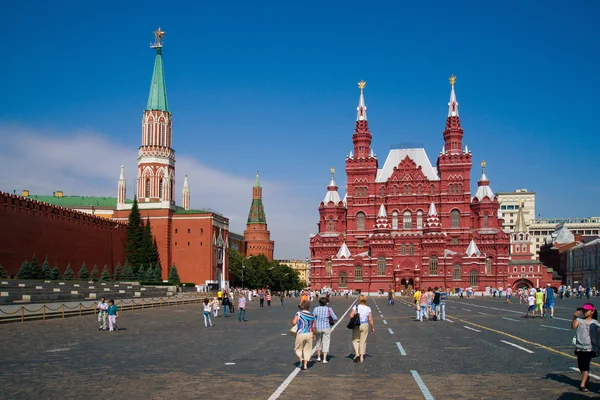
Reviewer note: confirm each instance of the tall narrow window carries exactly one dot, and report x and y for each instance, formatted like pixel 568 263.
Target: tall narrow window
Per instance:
pixel 382 191
pixel 360 221
pixel 419 219
pixel 148 135
pixel 455 218
pixel 419 189
pixel 160 134
pixel 407 220
pixel 433 265
pixel 330 224
pixel 395 220
pixel 488 266
pixel 358 273
pixel 151 133
pixel 485 220
pixel 160 188
pixel 432 189
pixel 474 278
pixel 147 191
pixel 381 266
pixel 328 268
pixel 403 249
pixel 395 190
pixel 356 192
pixel 456 271
pixel 343 279
pixel 411 249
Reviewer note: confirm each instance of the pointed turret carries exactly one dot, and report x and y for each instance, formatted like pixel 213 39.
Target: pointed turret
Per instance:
pixel 362 135
pixel 433 224
pixel 332 191
pixel 257 211
pixel 257 237
pixel 483 186
pixel 185 194
pixel 520 226
pixel 452 104
pixel 157 99
pixel 453 134
pixel 343 252
pixel 472 250
pixel 382 224
pixel 121 188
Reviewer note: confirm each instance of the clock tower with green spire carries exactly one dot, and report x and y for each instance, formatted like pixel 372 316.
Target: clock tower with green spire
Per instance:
pixel 257 236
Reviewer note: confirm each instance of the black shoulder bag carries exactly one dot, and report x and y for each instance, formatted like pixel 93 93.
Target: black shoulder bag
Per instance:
pixel 354 321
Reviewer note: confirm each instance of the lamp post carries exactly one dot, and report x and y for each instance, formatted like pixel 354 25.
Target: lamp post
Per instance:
pixel 307 272
pixel 243 276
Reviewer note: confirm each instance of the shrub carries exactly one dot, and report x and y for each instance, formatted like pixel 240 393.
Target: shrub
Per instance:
pixel 83 273
pixel 69 275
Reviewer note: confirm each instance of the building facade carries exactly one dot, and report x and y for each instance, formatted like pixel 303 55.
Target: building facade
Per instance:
pixel 511 202
pixel 583 264
pixel 542 229
pixel 301 267
pixel 257 236
pixel 410 224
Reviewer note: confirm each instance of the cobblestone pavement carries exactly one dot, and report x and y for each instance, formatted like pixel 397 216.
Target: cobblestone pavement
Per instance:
pixel 167 353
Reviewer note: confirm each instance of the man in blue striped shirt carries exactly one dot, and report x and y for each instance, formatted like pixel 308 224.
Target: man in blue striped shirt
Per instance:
pixel 442 305
pixel 323 326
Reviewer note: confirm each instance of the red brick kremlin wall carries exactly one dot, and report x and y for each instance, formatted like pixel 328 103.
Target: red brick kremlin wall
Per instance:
pixel 29 227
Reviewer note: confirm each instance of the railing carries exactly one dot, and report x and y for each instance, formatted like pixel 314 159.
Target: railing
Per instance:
pixel 63 311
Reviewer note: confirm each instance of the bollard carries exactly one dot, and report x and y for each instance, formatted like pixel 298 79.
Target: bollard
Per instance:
pixel 44 317
pixel 161 301
pixel 80 309
pixel 22 314
pixel 63 311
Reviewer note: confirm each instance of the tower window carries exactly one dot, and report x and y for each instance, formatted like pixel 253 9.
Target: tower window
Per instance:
pixel 188 230
pixel 456 271
pixel 328 268
pixel 330 224
pixel 147 194
pixel 485 220
pixel 160 188
pixel 433 265
pixel 395 219
pixel 488 266
pixel 360 221
pixel 411 249
pixel 419 219
pixel 358 273
pixel 407 220
pixel 455 218
pixel 381 266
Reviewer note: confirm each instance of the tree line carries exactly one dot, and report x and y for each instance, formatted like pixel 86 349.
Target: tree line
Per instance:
pixel 259 272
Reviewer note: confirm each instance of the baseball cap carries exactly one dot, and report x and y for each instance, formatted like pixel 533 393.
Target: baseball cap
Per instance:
pixel 588 307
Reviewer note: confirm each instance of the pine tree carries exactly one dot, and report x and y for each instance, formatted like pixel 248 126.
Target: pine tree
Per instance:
pixel 174 275
pixel 46 271
pixel 24 271
pixel 36 272
pixel 141 273
pixel 95 273
pixel 55 273
pixel 128 274
pixel 118 272
pixel 150 274
pixel 69 274
pixel 157 273
pixel 105 277
pixel 3 273
pixel 134 236
pixel 148 251
pixel 83 274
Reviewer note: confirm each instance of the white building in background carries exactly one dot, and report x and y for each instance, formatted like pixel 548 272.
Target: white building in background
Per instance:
pixel 509 207
pixel 539 229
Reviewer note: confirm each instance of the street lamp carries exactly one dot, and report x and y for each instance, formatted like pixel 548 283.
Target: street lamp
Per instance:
pixel 243 276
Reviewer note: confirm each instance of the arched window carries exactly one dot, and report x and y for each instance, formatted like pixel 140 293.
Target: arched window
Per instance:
pixel 148 135
pixel 358 273
pixel 381 266
pixel 395 220
pixel 455 218
pixel 411 249
pixel 330 224
pixel 450 188
pixel 147 191
pixel 328 268
pixel 160 188
pixel 433 265
pixel 343 279
pixel 403 249
pixel 151 132
pixel 474 278
pixel 419 219
pixel 419 189
pixel 382 191
pixel 360 221
pixel 432 189
pixel 456 271
pixel 407 220
pixel 488 266
pixel 485 220
pixel 161 131
pixel 395 190
pixel 518 248
pixel 355 192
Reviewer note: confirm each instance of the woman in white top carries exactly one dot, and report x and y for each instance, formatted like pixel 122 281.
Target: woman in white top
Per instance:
pixel 360 333
pixel 206 313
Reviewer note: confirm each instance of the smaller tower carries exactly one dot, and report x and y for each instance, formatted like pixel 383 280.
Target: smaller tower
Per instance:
pixel 453 134
pixel 362 135
pixel 520 240
pixel 257 236
pixel 121 190
pixel 432 224
pixel 185 194
pixel 332 211
pixel 485 204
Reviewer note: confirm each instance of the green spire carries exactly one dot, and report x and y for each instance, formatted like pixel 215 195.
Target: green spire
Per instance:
pixel 157 99
pixel 257 212
pixel 257 182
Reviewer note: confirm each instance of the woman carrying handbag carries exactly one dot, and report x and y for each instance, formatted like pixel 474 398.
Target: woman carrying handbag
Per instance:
pixel 360 332
pixel 304 322
pixel 324 319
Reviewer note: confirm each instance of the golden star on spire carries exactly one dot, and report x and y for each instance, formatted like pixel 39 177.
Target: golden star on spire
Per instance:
pixel 452 80
pixel 158 35
pixel 332 171
pixel 483 164
pixel 362 84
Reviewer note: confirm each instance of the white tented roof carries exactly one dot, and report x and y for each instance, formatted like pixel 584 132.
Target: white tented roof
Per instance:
pixel 344 252
pixel 473 249
pixel 332 195
pixel 417 155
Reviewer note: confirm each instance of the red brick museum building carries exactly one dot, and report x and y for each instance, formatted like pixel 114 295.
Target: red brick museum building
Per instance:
pixel 410 224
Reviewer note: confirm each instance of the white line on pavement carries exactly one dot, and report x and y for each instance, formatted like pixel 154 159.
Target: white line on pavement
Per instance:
pixel 510 319
pixel 384 322
pixel 483 313
pixel 424 390
pixel 517 346
pixel 229 363
pixel 466 309
pixel 562 319
pixel 391 331
pixel 592 375
pixel 449 320
pixel 293 374
pixel 473 329
pixel 284 334
pixel 400 348
pixel 555 327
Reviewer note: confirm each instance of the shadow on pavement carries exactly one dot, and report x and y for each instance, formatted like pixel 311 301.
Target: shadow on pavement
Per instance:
pixel 592 387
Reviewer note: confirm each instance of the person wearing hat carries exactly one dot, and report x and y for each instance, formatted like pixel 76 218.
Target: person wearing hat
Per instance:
pixel 586 339
pixel 549 301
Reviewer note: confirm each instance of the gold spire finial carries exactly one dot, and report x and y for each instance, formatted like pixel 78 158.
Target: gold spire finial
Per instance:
pixel 483 164
pixel 332 171
pixel 362 84
pixel 158 38
pixel 452 79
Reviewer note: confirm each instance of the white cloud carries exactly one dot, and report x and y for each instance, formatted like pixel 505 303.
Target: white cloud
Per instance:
pixel 88 163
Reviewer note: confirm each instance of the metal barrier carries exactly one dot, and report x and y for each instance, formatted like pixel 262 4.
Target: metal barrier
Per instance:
pixel 62 311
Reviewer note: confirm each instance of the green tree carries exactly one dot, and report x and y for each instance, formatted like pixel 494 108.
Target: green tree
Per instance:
pixel 135 233
pixel 36 272
pixel 83 274
pixel 174 275
pixel 157 277
pixel 118 272
pixel 69 275
pixel 95 275
pixel 105 277
pixel 148 251
pixel 55 273
pixel 128 274
pixel 46 271
pixel 141 273
pixel 149 274
pixel 3 273
pixel 24 271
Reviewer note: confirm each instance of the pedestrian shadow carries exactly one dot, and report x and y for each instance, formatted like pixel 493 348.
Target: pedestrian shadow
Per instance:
pixel 592 386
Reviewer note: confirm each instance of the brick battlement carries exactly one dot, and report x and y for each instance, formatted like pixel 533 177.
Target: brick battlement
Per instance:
pixel 38 208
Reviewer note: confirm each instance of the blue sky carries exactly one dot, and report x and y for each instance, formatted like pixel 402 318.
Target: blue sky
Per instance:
pixel 272 87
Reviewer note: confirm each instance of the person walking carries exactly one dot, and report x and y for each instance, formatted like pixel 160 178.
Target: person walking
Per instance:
pixel 323 321
pixel 269 299
pixel 242 309
pixel 282 298
pixel 113 313
pixel 261 297
pixel 586 338
pixel 539 303
pixel 549 300
pixel 102 308
pixel 360 333
pixel 206 312
pixel 508 294
pixel 435 307
pixel 305 323
pixel 442 305
pixel 215 307
pixel 226 303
